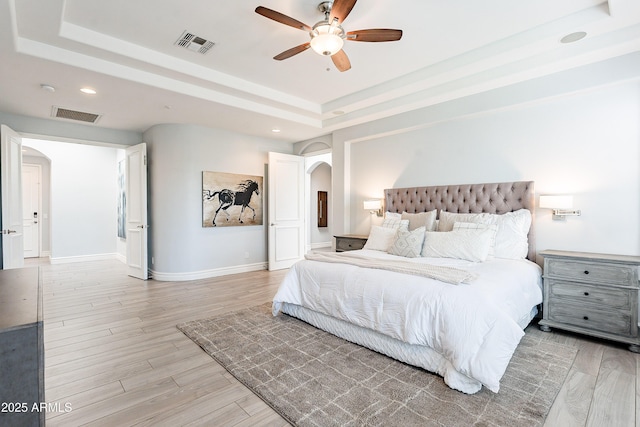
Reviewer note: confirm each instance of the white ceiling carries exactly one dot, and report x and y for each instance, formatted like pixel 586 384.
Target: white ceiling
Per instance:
pixel 126 51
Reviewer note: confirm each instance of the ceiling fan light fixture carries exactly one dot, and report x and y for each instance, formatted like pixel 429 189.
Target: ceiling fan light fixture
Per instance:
pixel 327 39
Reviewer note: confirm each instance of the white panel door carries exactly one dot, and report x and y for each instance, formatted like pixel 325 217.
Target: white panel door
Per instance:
pixel 31 209
pixel 11 180
pixel 136 212
pixel 286 210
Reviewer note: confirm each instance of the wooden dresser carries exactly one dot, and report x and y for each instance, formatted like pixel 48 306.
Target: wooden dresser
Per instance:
pixel 593 294
pixel 350 242
pixel 21 348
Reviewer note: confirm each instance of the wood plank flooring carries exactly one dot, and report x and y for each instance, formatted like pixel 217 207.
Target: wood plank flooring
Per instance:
pixel 114 356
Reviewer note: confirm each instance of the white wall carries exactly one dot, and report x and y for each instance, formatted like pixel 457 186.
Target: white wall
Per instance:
pixel 586 144
pixel 83 213
pixel 180 247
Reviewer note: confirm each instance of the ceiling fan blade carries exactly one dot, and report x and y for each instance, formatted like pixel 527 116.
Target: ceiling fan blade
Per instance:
pixel 341 60
pixel 374 35
pixel 341 9
pixel 293 51
pixel 281 18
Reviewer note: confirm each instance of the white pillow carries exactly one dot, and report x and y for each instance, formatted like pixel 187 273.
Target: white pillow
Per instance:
pixel 467 244
pixel 392 215
pixel 408 243
pixel 512 228
pixel 380 238
pixel 398 224
pixel 476 226
pixel 511 238
pixel 447 219
pixel 422 219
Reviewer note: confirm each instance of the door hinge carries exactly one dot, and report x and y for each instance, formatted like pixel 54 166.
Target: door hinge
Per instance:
pixel 145 160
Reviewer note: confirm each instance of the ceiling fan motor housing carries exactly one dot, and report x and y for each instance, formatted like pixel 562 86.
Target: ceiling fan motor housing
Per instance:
pixel 325 7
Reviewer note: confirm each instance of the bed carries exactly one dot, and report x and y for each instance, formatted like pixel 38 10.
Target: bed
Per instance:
pixel 456 307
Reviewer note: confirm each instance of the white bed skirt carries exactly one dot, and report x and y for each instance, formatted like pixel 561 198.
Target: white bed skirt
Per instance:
pixel 416 355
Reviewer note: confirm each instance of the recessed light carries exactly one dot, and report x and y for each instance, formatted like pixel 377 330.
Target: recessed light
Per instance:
pixel 338 112
pixel 48 88
pixel 573 37
pixel 275 130
pixel 88 91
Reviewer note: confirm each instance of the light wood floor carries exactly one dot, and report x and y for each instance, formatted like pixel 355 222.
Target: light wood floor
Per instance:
pixel 114 355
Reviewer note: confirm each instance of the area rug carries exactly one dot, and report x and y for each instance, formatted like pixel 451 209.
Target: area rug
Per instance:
pixel 313 378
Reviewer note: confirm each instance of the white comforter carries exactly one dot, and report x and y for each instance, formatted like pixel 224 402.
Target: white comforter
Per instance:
pixel 476 327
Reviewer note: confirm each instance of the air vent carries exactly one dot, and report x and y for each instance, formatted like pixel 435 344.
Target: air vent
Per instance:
pixel 194 43
pixel 63 113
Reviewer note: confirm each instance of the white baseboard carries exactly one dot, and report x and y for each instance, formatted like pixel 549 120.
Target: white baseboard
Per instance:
pixel 320 245
pixel 82 258
pixel 206 274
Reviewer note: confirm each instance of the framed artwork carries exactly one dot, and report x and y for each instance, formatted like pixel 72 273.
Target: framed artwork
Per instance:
pixel 322 208
pixel 122 201
pixel 230 199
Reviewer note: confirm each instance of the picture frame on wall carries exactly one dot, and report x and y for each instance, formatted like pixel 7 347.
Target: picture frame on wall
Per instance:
pixel 122 201
pixel 230 199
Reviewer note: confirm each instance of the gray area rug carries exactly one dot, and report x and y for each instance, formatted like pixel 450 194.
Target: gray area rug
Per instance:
pixel 313 378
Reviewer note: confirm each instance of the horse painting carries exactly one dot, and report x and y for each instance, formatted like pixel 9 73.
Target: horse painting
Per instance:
pixel 228 198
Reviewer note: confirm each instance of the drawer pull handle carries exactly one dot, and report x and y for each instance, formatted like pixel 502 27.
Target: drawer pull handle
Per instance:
pixel 586 272
pixel 586 294
pixel 586 317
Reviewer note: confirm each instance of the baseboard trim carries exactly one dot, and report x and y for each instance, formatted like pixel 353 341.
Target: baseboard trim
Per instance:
pixel 82 258
pixel 320 245
pixel 206 274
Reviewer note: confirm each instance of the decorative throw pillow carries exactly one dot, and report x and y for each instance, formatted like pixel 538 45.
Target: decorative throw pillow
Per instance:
pixel 447 219
pixel 380 238
pixel 397 224
pixel 479 226
pixel 408 243
pixel 392 215
pixel 467 244
pixel 422 219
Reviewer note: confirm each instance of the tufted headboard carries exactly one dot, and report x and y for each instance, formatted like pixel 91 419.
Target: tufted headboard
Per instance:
pixel 496 198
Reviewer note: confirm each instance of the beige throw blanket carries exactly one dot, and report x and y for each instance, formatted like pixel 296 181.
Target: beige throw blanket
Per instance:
pixel 451 275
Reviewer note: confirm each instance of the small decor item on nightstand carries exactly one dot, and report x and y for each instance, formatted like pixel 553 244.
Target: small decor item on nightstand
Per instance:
pixel 350 242
pixel 593 294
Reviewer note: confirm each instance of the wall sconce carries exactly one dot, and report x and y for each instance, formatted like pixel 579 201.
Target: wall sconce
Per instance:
pixel 373 206
pixel 562 206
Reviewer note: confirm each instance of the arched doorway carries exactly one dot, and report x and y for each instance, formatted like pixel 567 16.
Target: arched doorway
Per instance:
pixel 318 178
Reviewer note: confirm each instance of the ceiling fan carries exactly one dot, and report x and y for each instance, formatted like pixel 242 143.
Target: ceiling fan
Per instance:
pixel 328 36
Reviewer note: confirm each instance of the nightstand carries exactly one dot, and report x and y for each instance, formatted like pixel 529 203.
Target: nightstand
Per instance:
pixel 350 242
pixel 593 294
